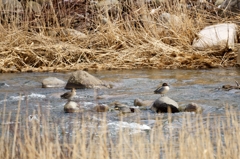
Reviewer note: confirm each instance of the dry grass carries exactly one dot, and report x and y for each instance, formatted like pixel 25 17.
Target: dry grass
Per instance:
pixel 194 137
pixel 129 38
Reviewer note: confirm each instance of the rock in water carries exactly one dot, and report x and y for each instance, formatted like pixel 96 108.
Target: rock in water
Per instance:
pixel 101 108
pixel 72 107
pixel 139 102
pixel 165 105
pixel 51 82
pixel 82 80
pixel 193 107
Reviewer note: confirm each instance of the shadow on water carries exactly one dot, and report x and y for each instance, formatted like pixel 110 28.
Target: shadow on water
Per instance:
pixel 200 86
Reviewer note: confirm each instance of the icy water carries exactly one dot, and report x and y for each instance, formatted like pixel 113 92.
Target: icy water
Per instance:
pixel 199 86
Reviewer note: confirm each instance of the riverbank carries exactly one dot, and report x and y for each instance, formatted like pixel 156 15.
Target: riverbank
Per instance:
pixel 131 39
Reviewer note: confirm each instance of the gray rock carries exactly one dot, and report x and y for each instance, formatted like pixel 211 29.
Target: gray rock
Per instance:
pixel 193 107
pixel 101 108
pixel 3 84
pixel 72 107
pixel 164 105
pixel 82 80
pixel 139 102
pixel 51 82
pixel 126 110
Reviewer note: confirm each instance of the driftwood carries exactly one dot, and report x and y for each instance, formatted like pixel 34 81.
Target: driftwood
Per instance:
pixel 229 87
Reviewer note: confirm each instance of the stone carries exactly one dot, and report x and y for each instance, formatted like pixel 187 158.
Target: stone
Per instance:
pixel 52 82
pixel 83 80
pixel 127 109
pixel 72 107
pixel 217 36
pixel 101 108
pixel 139 102
pixel 3 84
pixel 193 107
pixel 164 105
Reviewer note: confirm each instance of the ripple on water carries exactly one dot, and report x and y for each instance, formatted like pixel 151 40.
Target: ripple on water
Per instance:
pixel 200 86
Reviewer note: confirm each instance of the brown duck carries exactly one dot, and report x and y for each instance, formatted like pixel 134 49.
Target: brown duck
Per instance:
pixel 69 95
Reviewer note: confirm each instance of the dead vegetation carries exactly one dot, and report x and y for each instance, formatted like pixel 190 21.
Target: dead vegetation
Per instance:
pixel 196 136
pixel 129 35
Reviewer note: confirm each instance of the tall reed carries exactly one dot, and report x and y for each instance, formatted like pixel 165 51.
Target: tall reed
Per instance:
pixel 195 136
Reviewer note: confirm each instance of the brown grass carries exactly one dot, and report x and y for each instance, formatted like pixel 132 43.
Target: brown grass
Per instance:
pixel 195 136
pixel 130 38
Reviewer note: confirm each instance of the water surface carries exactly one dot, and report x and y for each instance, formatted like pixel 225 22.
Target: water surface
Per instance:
pixel 200 86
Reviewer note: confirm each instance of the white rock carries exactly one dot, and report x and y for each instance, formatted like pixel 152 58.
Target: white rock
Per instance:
pixel 52 82
pixel 71 107
pixel 216 36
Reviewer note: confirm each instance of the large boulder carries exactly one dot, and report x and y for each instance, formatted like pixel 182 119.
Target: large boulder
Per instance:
pixel 82 80
pixel 165 105
pixel 51 82
pixel 217 36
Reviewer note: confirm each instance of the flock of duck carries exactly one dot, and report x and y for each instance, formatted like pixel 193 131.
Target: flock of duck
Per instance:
pixel 160 90
pixel 158 107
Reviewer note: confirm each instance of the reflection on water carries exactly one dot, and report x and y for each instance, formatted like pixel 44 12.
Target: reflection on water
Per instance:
pixel 200 86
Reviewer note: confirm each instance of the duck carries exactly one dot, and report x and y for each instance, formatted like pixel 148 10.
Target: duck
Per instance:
pixel 162 89
pixel 69 95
